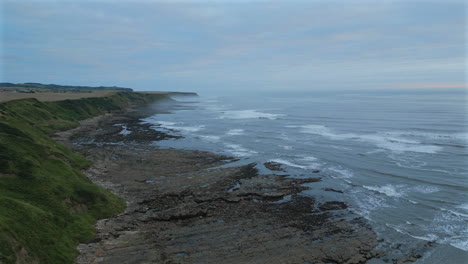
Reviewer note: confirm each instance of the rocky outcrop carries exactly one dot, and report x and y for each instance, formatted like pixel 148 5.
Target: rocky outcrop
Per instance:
pixel 182 209
pixel 274 166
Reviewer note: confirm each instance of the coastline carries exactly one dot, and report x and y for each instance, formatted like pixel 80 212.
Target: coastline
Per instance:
pixel 182 207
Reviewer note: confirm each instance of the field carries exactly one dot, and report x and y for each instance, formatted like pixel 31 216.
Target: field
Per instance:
pixel 51 96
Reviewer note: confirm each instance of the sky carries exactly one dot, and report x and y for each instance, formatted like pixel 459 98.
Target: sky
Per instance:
pixel 220 46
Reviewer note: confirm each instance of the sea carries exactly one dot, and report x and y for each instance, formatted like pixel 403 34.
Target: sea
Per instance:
pixel 399 157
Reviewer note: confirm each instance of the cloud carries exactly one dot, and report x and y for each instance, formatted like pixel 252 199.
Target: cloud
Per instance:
pixel 214 44
pixel 428 86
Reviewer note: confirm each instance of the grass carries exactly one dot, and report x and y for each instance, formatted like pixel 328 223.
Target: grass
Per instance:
pixel 52 96
pixel 47 206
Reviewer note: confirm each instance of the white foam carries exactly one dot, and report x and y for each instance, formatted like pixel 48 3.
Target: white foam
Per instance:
pixel 214 108
pixel 210 138
pixel 463 206
pixel 426 189
pixel 287 147
pixel 189 128
pixel 180 126
pixel 426 237
pixel 407 161
pixel 401 190
pixel 150 120
pixel 291 164
pixel 375 151
pixel 461 136
pixel 166 123
pixel 285 199
pixel 235 187
pixel 310 158
pixel 239 151
pixel 341 173
pixel 461 244
pixel 248 114
pixel 366 203
pixel 125 131
pixel 453 226
pixel 235 132
pixel 454 213
pixel 389 190
pixel 171 125
pixel 381 140
pixel 323 131
pixel 399 145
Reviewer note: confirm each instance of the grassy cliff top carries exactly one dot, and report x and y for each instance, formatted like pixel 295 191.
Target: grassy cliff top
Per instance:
pixel 56 87
pixel 47 205
pixel 60 96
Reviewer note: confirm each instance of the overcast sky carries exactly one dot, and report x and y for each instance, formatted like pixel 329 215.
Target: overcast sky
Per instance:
pixel 235 45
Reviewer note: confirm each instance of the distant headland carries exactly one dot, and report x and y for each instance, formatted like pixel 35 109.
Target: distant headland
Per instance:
pixel 54 92
pixel 39 87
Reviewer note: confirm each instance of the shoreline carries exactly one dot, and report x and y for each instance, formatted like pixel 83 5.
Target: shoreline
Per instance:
pixel 182 208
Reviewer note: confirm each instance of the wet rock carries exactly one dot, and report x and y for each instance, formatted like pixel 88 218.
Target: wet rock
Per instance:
pixel 178 213
pixel 274 166
pixel 188 214
pixel 306 180
pixel 332 190
pixel 334 205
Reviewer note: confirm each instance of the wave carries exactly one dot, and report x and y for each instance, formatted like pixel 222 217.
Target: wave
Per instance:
pixel 460 244
pixel 170 125
pixel 291 164
pixel 248 114
pixel 309 158
pixel 400 190
pixel 166 123
pixel 341 173
pixel 463 206
pixel 454 212
pixel 389 190
pixel 366 203
pixel 125 131
pixel 420 180
pixel 428 237
pixel 461 136
pixel 453 226
pixel 239 151
pixel 235 132
pixel 381 140
pixel 180 126
pixel 209 138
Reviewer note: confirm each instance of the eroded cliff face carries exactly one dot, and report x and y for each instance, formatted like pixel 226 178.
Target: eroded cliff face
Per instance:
pixel 47 205
pixel 182 207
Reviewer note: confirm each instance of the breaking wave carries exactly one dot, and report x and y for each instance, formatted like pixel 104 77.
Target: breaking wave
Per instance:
pixel 382 140
pixel 248 114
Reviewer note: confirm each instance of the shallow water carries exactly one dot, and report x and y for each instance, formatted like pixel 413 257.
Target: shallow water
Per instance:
pixel 399 158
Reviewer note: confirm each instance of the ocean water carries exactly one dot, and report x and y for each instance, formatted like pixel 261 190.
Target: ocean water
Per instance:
pixel 399 158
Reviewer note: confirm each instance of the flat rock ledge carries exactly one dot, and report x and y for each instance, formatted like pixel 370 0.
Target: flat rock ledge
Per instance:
pixel 183 208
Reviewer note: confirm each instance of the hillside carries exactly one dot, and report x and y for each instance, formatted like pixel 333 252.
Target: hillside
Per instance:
pixel 47 206
pixel 56 87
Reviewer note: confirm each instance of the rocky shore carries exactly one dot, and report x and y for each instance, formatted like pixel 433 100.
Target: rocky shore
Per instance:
pixel 182 207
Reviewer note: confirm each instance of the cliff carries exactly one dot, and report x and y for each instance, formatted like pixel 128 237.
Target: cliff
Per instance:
pixel 55 87
pixel 47 205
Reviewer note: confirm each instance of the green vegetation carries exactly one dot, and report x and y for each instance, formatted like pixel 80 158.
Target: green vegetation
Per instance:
pixel 47 206
pixel 55 87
